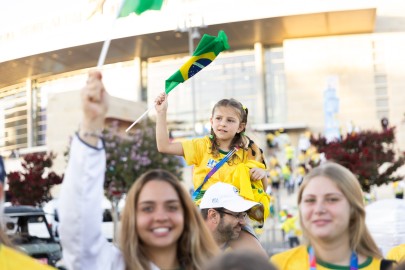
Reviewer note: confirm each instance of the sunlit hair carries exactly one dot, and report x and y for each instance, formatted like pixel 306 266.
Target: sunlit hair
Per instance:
pixel 360 237
pixel 242 114
pixel 3 236
pixel 195 245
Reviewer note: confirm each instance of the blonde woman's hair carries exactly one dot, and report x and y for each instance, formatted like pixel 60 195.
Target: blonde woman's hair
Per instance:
pixel 196 244
pixel 4 239
pixel 360 237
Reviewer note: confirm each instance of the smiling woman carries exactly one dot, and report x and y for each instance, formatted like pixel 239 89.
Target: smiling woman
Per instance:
pixel 160 227
pixel 332 217
pixel 170 231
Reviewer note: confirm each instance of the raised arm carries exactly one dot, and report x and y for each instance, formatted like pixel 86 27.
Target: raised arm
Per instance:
pixel 94 106
pixel 162 135
pixel 80 201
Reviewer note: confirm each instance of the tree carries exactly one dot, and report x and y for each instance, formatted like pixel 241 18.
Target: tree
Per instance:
pixel 130 155
pixel 33 184
pixel 370 155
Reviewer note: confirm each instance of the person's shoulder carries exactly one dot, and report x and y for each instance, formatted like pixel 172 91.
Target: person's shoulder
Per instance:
pixel 18 260
pixel 298 255
pixel 198 140
pixel 396 253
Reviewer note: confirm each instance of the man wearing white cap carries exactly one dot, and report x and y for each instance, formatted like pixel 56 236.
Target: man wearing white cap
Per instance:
pixel 225 213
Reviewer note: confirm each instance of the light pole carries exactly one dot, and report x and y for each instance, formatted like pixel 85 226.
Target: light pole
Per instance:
pixel 192 34
pixel 191 24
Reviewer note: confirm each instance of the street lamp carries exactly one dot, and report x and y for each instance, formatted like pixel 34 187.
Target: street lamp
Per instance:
pixel 193 34
pixel 191 28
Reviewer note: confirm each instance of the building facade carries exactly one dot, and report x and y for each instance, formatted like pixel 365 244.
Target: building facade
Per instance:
pixel 319 66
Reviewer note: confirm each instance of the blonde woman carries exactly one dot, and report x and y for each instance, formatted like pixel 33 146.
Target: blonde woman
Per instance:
pixel 332 218
pixel 160 227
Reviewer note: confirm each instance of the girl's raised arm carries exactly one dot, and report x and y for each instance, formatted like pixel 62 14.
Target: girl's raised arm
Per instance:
pixel 162 135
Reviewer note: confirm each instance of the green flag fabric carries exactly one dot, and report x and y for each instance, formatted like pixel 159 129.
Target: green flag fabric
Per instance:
pixel 207 50
pixel 139 6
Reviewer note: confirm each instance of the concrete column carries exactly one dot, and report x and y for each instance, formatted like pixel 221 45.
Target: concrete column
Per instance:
pixel 30 131
pixel 138 78
pixel 261 113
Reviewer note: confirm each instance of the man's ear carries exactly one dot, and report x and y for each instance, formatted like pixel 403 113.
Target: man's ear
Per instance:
pixel 212 214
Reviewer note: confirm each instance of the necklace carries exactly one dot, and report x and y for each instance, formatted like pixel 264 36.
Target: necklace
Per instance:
pixel 354 264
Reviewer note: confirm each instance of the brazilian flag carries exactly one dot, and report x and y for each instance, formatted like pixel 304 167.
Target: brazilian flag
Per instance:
pixel 207 50
pixel 139 6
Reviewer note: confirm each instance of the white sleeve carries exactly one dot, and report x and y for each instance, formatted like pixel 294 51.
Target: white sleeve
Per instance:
pixel 80 208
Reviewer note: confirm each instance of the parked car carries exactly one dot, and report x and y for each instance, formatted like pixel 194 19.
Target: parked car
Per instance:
pixel 51 213
pixel 29 231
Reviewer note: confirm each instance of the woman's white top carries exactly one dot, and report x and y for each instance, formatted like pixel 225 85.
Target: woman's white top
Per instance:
pixel 84 245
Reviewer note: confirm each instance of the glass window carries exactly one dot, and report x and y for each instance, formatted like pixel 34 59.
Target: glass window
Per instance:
pixel 231 75
pixel 275 85
pixel 13 119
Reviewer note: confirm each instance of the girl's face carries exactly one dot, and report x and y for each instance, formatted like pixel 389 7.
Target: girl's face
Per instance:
pixel 325 211
pixel 226 123
pixel 159 216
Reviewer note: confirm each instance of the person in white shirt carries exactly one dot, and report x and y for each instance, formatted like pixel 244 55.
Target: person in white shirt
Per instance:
pixel 160 226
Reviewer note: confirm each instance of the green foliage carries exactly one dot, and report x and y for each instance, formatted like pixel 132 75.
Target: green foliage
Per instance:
pixel 129 156
pixel 32 185
pixel 365 154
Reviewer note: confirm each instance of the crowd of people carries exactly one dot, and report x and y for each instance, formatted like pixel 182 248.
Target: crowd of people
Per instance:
pixel 163 227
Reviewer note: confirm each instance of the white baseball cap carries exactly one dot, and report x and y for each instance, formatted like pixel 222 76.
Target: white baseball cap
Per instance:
pixel 222 195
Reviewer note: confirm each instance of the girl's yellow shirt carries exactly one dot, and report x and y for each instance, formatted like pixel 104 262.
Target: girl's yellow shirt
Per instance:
pixel 298 258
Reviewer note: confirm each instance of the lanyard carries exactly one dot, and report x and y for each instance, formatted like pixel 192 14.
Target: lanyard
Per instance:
pixel 354 265
pixel 212 171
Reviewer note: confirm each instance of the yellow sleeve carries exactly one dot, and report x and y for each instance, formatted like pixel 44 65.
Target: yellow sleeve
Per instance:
pixel 292 259
pixel 397 253
pixel 193 150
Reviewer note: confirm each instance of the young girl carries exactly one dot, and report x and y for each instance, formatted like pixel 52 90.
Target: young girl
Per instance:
pixel 332 217
pixel 160 226
pixel 228 123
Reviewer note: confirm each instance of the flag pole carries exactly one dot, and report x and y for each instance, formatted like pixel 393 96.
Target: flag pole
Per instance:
pixel 104 51
pixel 137 120
pixel 107 42
pixel 103 55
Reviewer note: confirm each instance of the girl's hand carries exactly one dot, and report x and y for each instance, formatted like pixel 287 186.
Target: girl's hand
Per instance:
pixel 257 174
pixel 161 103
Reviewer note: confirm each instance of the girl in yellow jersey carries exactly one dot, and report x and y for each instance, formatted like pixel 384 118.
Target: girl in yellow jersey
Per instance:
pixel 244 169
pixel 332 218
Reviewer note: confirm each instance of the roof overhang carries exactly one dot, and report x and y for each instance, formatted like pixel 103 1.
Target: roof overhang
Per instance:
pixel 241 35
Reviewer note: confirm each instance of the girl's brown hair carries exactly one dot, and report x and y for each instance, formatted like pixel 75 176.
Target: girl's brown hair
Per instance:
pixel 360 238
pixel 195 245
